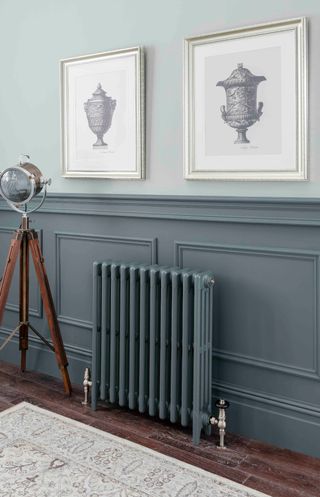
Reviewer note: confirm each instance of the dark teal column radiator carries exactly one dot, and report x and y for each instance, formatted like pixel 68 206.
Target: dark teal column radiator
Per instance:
pixel 152 341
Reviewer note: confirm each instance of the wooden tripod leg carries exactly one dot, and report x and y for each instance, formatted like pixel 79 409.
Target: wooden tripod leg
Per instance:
pixel 24 301
pixel 49 309
pixel 14 251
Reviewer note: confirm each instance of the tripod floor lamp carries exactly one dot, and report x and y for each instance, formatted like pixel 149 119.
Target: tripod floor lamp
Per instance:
pixel 18 185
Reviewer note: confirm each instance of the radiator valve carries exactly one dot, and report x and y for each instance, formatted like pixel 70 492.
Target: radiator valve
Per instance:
pixel 220 422
pixel 87 383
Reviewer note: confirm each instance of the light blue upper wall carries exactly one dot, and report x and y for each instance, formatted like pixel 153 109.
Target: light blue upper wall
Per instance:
pixel 36 34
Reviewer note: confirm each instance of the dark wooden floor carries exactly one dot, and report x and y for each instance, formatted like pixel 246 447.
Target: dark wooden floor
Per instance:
pixel 277 472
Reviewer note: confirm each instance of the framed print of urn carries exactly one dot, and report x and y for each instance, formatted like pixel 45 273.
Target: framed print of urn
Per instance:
pixel 245 103
pixel 102 115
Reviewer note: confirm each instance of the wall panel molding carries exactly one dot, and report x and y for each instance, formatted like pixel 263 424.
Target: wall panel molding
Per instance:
pixel 150 243
pixel 34 341
pixel 283 403
pixel 225 355
pixel 41 358
pixel 272 419
pixel 313 256
pixel 247 210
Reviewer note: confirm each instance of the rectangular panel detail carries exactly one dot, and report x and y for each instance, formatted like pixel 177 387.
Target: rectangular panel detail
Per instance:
pixel 276 308
pixel 74 251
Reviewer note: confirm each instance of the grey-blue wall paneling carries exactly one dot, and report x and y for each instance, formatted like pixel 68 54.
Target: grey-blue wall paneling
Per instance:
pixel 265 257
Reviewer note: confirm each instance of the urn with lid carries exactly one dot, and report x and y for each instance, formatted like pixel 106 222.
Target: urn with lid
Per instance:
pixel 241 93
pixel 99 109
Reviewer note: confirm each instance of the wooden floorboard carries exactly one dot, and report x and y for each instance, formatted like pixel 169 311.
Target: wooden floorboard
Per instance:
pixel 277 472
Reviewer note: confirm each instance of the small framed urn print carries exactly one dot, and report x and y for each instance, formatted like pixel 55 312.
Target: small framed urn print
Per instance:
pixel 245 103
pixel 102 115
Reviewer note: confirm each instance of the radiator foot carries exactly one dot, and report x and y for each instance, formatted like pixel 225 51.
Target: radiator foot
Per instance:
pixel 220 422
pixel 87 383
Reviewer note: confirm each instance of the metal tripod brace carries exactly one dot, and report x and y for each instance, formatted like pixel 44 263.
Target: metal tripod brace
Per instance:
pixel 26 239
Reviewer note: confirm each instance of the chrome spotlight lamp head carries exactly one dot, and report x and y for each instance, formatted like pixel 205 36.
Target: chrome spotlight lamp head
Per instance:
pixel 21 183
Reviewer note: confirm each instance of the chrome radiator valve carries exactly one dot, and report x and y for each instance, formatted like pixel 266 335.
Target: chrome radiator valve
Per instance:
pixel 220 422
pixel 87 383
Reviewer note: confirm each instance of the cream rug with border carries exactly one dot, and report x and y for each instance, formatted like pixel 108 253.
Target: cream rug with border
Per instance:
pixel 43 454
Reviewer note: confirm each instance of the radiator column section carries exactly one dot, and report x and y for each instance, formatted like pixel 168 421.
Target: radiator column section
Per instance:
pixel 152 341
pixel 114 318
pixel 175 367
pixel 133 335
pixel 123 312
pixel 143 339
pixel 105 329
pixel 96 327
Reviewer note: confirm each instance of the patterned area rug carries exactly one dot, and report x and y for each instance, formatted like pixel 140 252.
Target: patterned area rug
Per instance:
pixel 43 454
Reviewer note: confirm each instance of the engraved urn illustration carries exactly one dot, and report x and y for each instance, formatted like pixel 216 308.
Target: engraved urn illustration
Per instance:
pixel 99 109
pixel 241 110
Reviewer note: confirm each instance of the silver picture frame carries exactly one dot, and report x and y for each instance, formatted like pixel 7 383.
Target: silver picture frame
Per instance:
pixel 205 158
pixel 94 115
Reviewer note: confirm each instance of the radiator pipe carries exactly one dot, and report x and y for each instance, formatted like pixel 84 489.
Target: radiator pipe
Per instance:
pixel 220 421
pixel 87 383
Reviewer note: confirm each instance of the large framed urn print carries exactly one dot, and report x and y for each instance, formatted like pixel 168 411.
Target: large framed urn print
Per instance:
pixel 102 115
pixel 245 103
